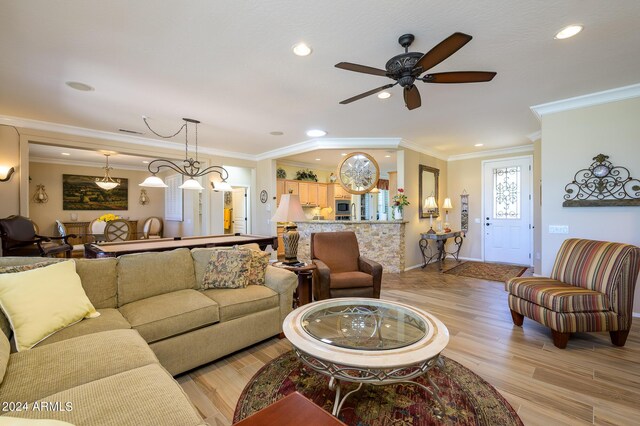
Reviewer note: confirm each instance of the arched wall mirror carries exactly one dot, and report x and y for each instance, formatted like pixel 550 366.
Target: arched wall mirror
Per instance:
pixel 428 185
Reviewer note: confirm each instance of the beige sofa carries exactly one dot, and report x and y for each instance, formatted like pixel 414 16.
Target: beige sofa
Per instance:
pixel 104 366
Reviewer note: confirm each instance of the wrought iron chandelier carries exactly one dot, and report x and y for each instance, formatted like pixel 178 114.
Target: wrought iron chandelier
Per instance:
pixel 107 183
pixel 190 168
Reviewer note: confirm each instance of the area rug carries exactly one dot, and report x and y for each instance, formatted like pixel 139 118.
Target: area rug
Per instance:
pixel 468 398
pixel 487 271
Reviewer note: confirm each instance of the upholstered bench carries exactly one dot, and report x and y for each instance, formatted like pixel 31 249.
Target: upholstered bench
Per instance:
pixel 591 288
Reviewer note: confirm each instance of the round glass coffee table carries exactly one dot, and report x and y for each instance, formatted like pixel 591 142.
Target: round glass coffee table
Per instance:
pixel 367 341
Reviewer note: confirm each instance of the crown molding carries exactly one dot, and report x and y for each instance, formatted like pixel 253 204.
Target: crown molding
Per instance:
pixel 111 136
pixel 69 162
pixel 492 152
pixel 330 143
pixel 412 146
pixel 535 136
pixel 597 98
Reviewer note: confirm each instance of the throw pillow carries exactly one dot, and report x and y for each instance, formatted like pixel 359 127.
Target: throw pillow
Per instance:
pixel 258 268
pixel 227 269
pixel 21 268
pixel 42 301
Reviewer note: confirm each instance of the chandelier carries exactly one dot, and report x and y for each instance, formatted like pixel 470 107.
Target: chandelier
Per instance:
pixel 190 167
pixel 106 182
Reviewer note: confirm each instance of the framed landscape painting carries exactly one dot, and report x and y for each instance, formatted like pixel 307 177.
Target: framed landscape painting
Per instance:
pixel 82 193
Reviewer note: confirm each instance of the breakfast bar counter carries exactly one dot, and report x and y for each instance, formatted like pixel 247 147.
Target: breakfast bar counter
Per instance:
pixel 379 240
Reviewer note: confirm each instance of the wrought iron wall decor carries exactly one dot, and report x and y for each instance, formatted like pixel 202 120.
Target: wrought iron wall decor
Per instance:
pixel 40 196
pixel 464 211
pixel 358 173
pixel 602 185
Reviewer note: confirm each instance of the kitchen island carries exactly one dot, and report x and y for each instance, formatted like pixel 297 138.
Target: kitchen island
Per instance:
pixel 380 240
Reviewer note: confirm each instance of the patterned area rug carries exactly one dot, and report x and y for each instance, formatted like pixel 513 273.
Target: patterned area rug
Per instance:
pixel 487 271
pixel 468 398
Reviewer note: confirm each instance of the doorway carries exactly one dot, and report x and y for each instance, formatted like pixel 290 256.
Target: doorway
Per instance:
pixel 507 211
pixel 236 220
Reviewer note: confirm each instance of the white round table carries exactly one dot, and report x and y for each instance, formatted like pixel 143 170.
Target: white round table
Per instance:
pixel 368 341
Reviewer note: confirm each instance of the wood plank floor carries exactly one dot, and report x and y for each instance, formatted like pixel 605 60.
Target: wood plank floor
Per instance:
pixel 590 382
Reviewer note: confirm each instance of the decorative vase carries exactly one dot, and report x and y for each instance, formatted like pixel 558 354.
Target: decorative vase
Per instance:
pixel 396 212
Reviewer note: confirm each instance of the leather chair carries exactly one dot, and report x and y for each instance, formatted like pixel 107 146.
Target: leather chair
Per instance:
pixel 19 238
pixel 62 231
pixel 152 228
pixel 591 288
pixel 341 271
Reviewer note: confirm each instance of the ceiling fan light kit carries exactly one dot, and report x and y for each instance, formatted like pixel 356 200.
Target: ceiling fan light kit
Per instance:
pixel 408 67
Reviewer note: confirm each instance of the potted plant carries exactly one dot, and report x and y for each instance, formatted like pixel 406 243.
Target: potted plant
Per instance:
pixel 281 173
pixel 306 174
pixel 399 201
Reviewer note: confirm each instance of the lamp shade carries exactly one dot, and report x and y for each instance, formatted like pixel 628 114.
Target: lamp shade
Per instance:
pixel 221 186
pixel 447 204
pixel 107 185
pixel 191 184
pixel 289 210
pixel 153 182
pixel 430 203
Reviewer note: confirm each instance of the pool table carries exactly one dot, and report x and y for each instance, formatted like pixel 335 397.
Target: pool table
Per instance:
pixel 115 249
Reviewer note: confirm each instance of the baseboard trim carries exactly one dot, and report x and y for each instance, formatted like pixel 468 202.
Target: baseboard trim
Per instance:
pixel 473 259
pixel 419 265
pixel 636 315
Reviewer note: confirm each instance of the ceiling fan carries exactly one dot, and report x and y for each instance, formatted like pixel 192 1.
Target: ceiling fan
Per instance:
pixel 407 67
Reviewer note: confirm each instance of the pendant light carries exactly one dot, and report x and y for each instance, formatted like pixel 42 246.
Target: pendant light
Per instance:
pixel 106 182
pixel 190 168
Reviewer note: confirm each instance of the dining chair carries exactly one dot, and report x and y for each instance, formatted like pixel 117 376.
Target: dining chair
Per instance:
pixel 152 228
pixel 62 231
pixel 117 230
pixel 19 238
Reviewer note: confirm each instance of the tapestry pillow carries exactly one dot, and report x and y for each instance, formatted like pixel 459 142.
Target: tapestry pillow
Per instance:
pixel 258 267
pixel 43 301
pixel 227 269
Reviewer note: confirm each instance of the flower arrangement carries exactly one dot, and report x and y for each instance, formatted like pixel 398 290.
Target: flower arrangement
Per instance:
pixel 108 217
pixel 400 199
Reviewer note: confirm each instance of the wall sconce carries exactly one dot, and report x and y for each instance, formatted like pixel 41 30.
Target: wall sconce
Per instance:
pixel 40 196
pixel 144 198
pixel 5 173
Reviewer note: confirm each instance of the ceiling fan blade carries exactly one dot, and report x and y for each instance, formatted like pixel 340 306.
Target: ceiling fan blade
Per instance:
pixel 361 68
pixel 412 97
pixel 442 51
pixel 460 77
pixel 365 94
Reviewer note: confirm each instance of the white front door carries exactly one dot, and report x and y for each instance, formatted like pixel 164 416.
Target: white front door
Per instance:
pixel 239 212
pixel 507 221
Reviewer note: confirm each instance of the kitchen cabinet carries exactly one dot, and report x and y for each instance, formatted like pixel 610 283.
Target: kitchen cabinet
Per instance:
pixel 291 187
pixel 313 194
pixel 303 192
pixel 279 190
pixel 340 192
pixel 322 196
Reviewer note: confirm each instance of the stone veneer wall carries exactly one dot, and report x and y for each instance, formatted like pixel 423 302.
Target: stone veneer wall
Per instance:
pixel 382 242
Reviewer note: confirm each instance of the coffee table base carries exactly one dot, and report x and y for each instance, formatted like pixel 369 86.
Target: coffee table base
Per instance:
pixel 364 375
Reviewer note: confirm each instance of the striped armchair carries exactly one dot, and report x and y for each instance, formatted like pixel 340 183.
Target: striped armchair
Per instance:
pixel 590 289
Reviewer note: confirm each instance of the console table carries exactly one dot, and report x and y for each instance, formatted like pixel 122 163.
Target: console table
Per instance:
pixel 81 229
pixel 441 240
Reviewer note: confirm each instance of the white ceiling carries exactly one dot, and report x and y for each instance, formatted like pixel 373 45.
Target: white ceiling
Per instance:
pixel 230 65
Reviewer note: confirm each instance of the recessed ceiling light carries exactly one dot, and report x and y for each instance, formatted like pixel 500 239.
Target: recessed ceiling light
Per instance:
pixel 567 32
pixel 344 154
pixel 145 162
pixel 384 95
pixel 479 144
pixel 317 159
pixel 316 133
pixel 64 153
pixel 79 86
pixel 301 49
pixel 387 156
pixel 276 133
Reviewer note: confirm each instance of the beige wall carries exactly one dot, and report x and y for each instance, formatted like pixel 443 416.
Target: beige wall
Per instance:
pixel 50 175
pixel 570 140
pixel 467 174
pixel 408 179
pixel 10 157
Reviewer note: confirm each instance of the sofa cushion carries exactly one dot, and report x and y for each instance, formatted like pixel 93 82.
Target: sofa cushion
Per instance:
pixel 5 351
pixel 45 370
pixel 109 319
pixel 227 269
pixel 558 296
pixel 146 395
pixel 99 280
pixel 351 280
pixel 143 275
pixel 238 302
pixel 170 314
pixel 42 301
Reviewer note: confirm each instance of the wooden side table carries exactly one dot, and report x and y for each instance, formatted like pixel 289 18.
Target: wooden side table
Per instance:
pixel 292 410
pixel 441 241
pixel 303 292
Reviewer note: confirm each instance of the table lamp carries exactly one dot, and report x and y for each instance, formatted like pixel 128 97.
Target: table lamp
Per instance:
pixel 446 206
pixel 430 206
pixel 289 211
